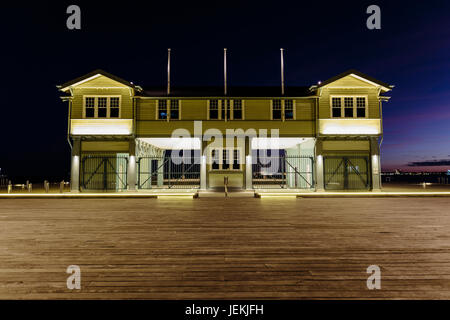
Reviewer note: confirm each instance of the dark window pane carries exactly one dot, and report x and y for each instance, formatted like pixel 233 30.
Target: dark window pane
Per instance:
pixel 276 114
pixel 102 112
pixel 361 112
pixel 236 160
pixel 213 114
pixel 225 160
pixel 114 112
pixel 162 115
pixel 237 114
pixel 90 112
pixel 336 113
pixel 174 114
pixel 289 114
pixel 348 113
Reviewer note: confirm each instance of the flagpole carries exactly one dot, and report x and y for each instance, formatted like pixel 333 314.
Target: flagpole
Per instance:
pixel 225 70
pixel 168 71
pixel 282 71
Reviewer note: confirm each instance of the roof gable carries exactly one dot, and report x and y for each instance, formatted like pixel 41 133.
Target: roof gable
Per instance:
pixel 354 78
pixel 97 78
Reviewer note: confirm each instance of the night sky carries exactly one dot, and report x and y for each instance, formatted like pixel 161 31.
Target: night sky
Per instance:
pixel 130 39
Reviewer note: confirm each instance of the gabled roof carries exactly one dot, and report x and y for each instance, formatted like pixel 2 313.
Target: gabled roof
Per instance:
pixel 232 91
pixel 94 74
pixel 359 75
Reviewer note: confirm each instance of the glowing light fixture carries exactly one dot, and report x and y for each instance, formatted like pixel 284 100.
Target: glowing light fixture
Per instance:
pixel 101 126
pixel 349 126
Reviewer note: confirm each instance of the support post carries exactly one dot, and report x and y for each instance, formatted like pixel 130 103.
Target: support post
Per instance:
pixel 75 166
pixel 203 157
pixel 131 172
pixel 320 186
pixel 248 164
pixel 160 171
pixel 375 164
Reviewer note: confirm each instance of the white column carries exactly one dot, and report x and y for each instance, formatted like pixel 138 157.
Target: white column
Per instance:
pixel 375 164
pixel 75 166
pixel 203 172
pixel 131 172
pixel 248 173
pixel 320 186
pixel 248 164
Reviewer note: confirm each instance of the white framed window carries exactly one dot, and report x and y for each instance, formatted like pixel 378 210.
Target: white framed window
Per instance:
pixel 282 109
pixel 161 110
pixel 361 106
pixel 348 106
pixel 213 109
pixel 102 107
pixel 238 110
pixel 174 109
pixel 225 159
pixel 168 109
pixel 226 109
pixel 289 111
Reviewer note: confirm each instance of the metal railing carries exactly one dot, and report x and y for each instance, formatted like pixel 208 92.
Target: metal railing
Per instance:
pixel 104 172
pixel 346 173
pixel 168 172
pixel 282 171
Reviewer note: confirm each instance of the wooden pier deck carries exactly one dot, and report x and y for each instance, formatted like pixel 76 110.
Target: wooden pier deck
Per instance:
pixel 235 248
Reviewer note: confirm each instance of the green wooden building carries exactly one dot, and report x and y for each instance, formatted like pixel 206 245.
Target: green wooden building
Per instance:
pixel 125 137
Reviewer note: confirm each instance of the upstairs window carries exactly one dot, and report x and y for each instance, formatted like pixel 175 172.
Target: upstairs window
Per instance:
pixel 289 109
pixel 89 107
pixel 101 107
pixel 213 109
pixel 349 107
pixel 162 110
pixel 175 109
pixel 237 109
pixel 283 109
pixel 336 107
pixel 114 107
pixel 276 109
pixel 226 107
pixel 361 107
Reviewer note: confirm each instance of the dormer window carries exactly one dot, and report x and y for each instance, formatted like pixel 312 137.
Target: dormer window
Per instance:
pixel 349 107
pixel 101 106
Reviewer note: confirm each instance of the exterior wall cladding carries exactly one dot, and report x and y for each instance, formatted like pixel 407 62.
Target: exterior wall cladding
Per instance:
pixel 128 138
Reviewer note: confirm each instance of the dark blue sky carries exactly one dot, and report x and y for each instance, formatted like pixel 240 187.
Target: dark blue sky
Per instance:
pixel 411 51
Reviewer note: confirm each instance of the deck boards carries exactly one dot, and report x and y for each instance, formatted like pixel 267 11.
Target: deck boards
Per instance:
pixel 216 248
